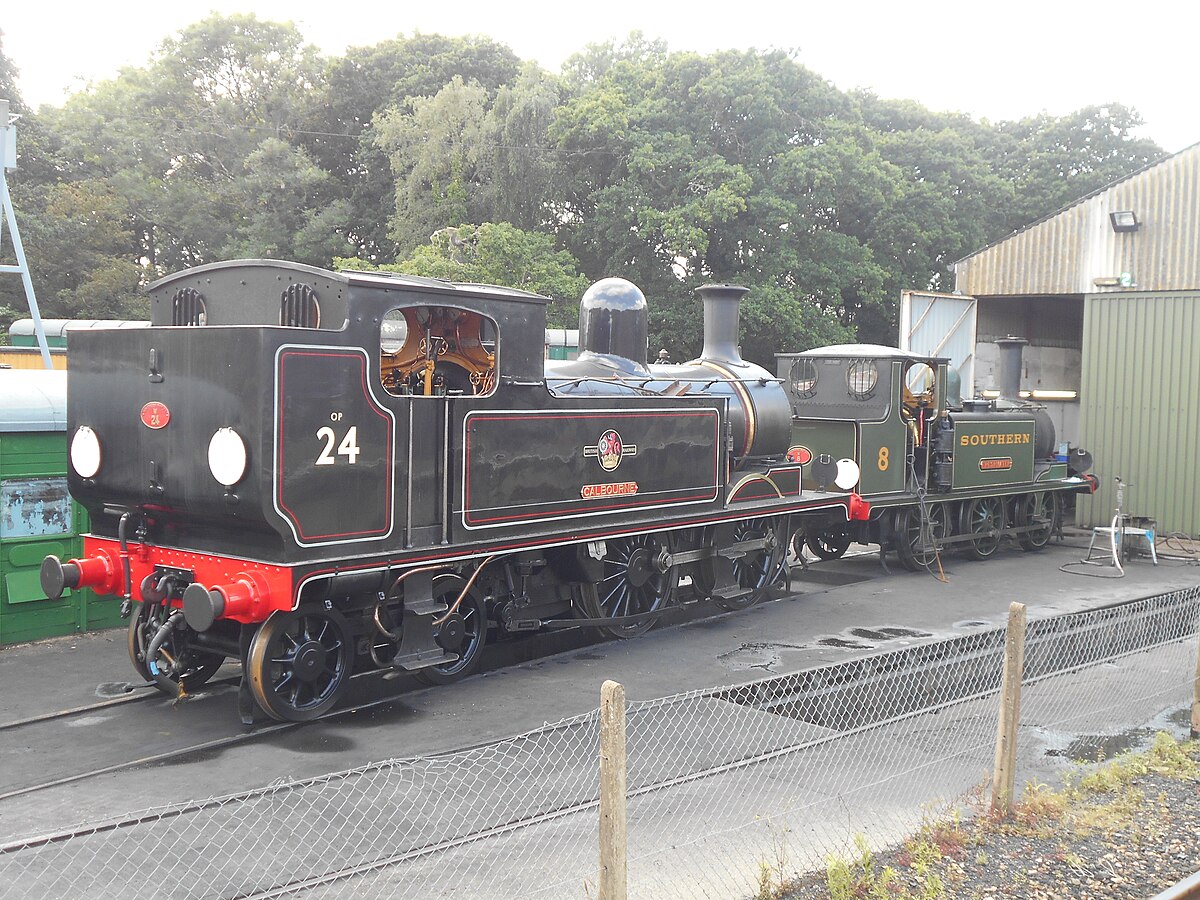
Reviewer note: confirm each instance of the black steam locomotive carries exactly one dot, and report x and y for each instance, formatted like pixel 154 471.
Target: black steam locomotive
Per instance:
pixel 313 472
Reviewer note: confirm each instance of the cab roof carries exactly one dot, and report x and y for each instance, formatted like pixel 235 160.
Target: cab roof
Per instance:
pixel 863 351
pixel 348 277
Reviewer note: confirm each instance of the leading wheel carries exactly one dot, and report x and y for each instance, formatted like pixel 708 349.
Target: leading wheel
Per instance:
pixel 983 520
pixel 919 537
pixel 299 664
pixel 831 542
pixel 634 583
pixel 464 632
pixel 176 662
pixel 758 569
pixel 1042 511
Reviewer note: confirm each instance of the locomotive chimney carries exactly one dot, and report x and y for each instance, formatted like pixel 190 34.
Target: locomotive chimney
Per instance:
pixel 1010 366
pixel 721 321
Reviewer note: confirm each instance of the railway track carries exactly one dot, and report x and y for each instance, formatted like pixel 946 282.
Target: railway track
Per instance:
pixel 258 733
pixel 142 693
pixel 134 694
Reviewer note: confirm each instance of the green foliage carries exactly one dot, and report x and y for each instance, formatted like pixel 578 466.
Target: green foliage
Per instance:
pixel 1055 160
pixel 8 79
pixel 434 151
pixel 498 254
pixel 369 81
pixel 1166 756
pixel 857 878
pixel 669 169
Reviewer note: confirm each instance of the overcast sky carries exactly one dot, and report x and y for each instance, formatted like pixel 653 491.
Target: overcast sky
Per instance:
pixel 993 60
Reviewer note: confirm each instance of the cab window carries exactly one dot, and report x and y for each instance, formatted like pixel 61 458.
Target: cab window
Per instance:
pixel 919 382
pixel 437 351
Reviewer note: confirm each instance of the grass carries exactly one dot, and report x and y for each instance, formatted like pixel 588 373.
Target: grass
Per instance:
pixel 1101 800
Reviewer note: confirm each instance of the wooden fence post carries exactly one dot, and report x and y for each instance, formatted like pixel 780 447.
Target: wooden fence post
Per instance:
pixel 1005 770
pixel 1196 699
pixel 613 871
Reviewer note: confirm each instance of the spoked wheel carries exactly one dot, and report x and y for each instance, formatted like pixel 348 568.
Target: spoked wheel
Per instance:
pixel 299 664
pixel 918 537
pixel 1041 510
pixel 175 662
pixel 633 583
pixel 758 569
pixel 464 632
pixel 983 519
pixel 830 542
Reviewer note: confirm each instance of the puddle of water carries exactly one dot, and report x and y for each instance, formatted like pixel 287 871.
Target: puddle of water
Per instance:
pixel 893 632
pixel 1181 717
pixel 860 638
pixel 756 655
pixel 972 623
pixel 109 689
pixel 591 656
pixel 1102 747
pixel 845 644
pixel 886 633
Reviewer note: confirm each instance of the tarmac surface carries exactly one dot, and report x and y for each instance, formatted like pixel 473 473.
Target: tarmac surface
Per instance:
pixel 837 611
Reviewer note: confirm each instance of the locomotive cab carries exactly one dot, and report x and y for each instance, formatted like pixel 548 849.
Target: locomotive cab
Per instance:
pixel 876 405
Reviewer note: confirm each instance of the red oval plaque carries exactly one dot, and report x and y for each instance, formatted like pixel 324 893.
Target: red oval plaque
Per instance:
pixel 799 454
pixel 155 415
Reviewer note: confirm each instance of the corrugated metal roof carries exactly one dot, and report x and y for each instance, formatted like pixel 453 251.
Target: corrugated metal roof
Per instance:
pixel 1138 411
pixel 1066 252
pixel 33 400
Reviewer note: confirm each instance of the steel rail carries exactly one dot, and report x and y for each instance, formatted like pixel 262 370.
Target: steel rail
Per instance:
pixel 133 695
pixel 216 743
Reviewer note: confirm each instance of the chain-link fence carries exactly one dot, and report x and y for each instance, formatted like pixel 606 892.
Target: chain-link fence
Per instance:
pixel 773 775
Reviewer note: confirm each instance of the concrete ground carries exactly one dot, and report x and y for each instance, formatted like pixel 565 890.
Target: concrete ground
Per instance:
pixel 840 611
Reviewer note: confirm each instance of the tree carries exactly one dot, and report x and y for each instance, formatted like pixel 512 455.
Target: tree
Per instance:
pixel 287 214
pixel 514 156
pixel 173 139
pixel 371 80
pixel 435 155
pixel 1054 160
pixel 691 169
pixel 8 79
pixel 500 254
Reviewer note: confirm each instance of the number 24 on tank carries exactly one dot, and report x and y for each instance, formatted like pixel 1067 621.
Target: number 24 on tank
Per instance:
pixel 347 448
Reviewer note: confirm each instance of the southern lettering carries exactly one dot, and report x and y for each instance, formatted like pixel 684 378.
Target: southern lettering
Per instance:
pixel 978 440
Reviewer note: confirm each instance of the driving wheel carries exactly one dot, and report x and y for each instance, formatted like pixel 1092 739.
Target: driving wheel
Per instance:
pixel 464 632
pixel 1042 511
pixel 830 542
pixel 633 584
pixel 758 569
pixel 918 537
pixel 983 520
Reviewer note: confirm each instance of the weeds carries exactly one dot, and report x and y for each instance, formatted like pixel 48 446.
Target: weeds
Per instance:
pixel 1107 799
pixel 857 879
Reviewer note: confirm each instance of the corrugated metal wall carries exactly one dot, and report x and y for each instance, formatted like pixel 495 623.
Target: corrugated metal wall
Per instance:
pixel 941 325
pixel 1140 406
pixel 1065 253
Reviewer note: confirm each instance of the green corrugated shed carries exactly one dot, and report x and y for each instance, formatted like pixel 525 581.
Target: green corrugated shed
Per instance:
pixel 37 515
pixel 1140 405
